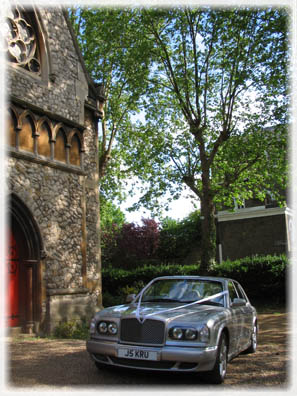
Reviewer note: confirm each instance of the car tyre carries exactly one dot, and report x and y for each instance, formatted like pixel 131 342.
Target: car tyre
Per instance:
pixel 218 373
pixel 252 348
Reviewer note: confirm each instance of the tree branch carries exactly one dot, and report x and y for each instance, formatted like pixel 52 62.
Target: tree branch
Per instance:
pixel 169 71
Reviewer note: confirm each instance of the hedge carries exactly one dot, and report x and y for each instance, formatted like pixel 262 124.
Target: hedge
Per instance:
pixel 262 277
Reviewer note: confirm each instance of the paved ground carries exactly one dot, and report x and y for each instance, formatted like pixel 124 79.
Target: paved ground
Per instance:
pixel 64 364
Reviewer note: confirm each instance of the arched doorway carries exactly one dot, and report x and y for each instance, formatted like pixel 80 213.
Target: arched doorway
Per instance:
pixel 24 253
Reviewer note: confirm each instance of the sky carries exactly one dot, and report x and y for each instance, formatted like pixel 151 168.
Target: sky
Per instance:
pixel 178 209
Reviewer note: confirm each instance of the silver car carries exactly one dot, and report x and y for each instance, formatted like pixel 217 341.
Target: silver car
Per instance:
pixel 177 324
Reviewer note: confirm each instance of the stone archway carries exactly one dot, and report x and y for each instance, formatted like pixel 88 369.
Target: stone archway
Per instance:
pixel 24 278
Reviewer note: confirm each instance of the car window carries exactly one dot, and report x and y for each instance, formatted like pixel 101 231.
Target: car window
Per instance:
pixel 184 290
pixel 240 291
pixel 232 291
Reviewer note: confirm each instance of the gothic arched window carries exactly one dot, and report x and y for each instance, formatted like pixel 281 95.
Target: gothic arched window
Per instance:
pixel 60 146
pixel 74 156
pixel 27 132
pixel 11 128
pixel 44 138
pixel 21 40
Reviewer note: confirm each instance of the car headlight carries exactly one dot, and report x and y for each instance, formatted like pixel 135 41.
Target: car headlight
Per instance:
pixel 179 333
pixel 112 328
pixel 190 334
pixel 204 334
pixel 107 328
pixel 102 327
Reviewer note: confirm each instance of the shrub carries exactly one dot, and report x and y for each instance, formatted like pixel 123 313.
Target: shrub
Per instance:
pixel 177 238
pixel 262 277
pixel 129 244
pixel 123 282
pixel 72 329
pixel 136 243
pixel 126 245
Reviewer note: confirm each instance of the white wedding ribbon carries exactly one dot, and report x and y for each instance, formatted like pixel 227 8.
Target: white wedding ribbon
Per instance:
pixel 144 317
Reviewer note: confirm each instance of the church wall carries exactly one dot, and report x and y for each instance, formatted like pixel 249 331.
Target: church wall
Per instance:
pixel 62 197
pixel 63 89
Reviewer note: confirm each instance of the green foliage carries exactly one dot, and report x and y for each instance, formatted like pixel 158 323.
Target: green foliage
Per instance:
pixel 209 82
pixel 130 245
pixel 212 97
pixel 72 329
pixel 262 277
pixel 112 220
pixel 109 299
pixel 118 281
pixel 110 214
pixel 178 238
pixel 116 56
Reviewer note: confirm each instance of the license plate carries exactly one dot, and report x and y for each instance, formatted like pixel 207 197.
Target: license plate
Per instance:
pixel 141 354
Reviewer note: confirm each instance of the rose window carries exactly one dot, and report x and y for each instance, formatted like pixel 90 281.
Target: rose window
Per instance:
pixel 22 48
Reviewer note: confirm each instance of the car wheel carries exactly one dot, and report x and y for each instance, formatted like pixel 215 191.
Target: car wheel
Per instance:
pixel 217 375
pixel 252 348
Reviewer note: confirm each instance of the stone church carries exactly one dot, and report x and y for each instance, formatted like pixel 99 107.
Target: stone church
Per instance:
pixel 53 111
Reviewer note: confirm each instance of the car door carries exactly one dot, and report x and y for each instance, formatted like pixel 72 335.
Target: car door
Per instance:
pixel 236 320
pixel 247 317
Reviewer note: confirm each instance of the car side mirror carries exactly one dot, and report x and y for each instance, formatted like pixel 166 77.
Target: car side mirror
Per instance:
pixel 130 298
pixel 238 302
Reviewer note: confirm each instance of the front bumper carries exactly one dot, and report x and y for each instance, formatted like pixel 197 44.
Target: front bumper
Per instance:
pixel 169 358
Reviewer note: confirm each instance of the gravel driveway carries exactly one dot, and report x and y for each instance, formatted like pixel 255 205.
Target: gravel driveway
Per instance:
pixel 65 364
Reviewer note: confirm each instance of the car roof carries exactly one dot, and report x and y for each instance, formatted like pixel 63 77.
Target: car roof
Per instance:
pixel 195 277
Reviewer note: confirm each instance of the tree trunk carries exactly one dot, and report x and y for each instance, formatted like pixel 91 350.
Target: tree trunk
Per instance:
pixel 208 241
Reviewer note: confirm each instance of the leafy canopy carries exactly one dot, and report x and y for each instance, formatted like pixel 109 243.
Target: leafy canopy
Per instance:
pixel 117 57
pixel 218 81
pixel 212 85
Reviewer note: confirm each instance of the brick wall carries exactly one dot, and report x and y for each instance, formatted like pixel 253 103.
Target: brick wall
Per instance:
pixel 247 237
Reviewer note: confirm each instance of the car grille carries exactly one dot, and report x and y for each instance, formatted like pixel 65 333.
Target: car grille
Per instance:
pixel 150 332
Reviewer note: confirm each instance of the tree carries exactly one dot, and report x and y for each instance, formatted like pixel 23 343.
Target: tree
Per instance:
pixel 213 84
pixel 112 220
pixel 117 59
pixel 111 42
pixel 219 81
pixel 134 244
pixel 110 214
pixel 178 238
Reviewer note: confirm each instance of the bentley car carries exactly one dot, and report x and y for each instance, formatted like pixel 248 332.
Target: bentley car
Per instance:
pixel 177 324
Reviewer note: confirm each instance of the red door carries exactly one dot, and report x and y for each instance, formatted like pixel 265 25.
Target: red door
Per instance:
pixel 13 269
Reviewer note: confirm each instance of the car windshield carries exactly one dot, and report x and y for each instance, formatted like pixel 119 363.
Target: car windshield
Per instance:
pixel 184 290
